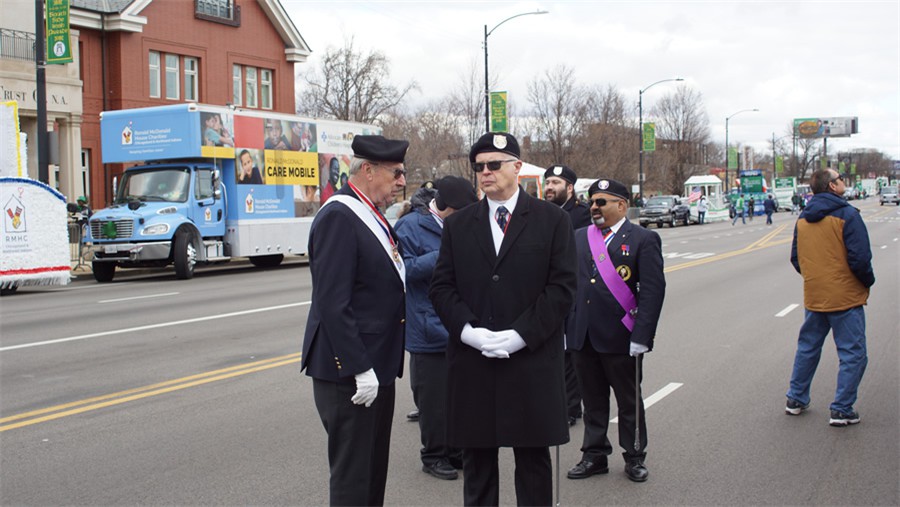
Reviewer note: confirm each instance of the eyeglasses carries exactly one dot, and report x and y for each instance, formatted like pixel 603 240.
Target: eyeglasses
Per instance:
pixel 601 202
pixel 493 165
pixel 398 171
pixel 838 177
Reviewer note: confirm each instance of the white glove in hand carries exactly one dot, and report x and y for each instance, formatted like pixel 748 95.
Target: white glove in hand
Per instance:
pixel 477 337
pixel 637 349
pixel 510 343
pixel 366 388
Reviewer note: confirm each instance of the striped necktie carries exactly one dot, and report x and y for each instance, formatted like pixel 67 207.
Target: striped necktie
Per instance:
pixel 502 217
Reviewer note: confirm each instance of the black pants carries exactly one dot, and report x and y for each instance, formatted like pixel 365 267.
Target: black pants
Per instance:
pixel 359 442
pixel 428 380
pixel 573 391
pixel 481 474
pixel 598 373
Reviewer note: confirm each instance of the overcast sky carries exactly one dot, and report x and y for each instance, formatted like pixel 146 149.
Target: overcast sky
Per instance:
pixel 789 59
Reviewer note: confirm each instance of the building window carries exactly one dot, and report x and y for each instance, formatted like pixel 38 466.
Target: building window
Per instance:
pixel 218 11
pixel 237 86
pixel 154 74
pixel 250 80
pixel 191 85
pixel 172 91
pixel 252 87
pixel 265 88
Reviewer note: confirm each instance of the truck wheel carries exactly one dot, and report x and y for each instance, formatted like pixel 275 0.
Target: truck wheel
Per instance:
pixel 184 255
pixel 267 261
pixel 103 271
pixel 673 223
pixel 687 220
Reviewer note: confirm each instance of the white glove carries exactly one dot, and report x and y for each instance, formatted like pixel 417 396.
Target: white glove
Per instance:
pixel 511 343
pixel 637 349
pixel 477 337
pixel 366 388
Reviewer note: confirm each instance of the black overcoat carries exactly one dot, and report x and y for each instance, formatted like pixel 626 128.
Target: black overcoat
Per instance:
pixel 637 255
pixel 529 286
pixel 356 320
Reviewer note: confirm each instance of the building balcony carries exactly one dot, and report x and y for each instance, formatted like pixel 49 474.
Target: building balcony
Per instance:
pixel 16 45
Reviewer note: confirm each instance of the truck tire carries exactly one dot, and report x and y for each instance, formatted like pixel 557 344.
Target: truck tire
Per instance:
pixel 184 255
pixel 103 271
pixel 267 261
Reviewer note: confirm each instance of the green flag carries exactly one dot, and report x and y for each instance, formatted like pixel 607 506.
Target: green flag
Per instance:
pixel 649 137
pixel 58 43
pixel 732 158
pixel 499 119
pixel 779 165
pixel 852 168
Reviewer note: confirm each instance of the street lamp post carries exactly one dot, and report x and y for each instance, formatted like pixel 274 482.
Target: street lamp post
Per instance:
pixel 487 93
pixel 727 118
pixel 641 135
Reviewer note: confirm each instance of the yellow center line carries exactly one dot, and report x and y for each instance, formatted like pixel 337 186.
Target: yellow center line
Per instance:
pixel 764 242
pixel 60 411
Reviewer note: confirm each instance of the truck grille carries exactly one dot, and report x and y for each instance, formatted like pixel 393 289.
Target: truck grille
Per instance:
pixel 101 230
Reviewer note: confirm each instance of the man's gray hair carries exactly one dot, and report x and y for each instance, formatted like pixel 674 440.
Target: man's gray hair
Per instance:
pixel 356 164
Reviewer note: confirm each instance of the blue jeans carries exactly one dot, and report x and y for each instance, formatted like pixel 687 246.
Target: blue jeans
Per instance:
pixel 849 330
pixel 741 215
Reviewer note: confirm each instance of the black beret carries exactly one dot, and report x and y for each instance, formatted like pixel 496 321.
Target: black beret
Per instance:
pixel 561 171
pixel 454 192
pixel 495 142
pixel 609 187
pixel 379 149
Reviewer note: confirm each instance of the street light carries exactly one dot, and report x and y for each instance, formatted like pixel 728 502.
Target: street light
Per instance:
pixel 487 93
pixel 727 184
pixel 641 135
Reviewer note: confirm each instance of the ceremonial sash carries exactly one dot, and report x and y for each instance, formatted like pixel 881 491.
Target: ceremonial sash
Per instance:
pixel 364 214
pixel 611 278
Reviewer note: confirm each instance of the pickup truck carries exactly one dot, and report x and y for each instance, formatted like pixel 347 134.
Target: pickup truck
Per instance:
pixel 665 209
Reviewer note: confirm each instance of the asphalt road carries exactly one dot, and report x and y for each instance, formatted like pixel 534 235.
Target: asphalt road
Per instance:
pixel 154 391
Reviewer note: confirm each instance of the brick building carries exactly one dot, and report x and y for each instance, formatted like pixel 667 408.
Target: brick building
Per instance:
pixel 139 53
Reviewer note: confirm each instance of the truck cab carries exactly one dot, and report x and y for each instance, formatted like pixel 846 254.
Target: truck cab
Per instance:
pixel 162 214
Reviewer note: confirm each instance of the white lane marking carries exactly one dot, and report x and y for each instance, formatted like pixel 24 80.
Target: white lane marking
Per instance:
pixel 658 395
pixel 787 310
pixel 151 326
pixel 883 247
pixel 139 297
pixel 895 239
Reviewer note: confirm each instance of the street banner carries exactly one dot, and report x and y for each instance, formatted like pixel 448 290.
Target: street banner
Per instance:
pixel 649 137
pixel 852 168
pixel 59 48
pixel 732 158
pixel 823 163
pixel 499 118
pixel 779 165
pixel 841 168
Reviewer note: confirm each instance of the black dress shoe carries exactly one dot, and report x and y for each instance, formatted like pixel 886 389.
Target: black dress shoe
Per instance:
pixel 572 421
pixel 441 469
pixel 636 470
pixel 586 468
pixel 413 416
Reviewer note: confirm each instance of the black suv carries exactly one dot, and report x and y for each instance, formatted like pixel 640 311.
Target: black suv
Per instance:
pixel 665 209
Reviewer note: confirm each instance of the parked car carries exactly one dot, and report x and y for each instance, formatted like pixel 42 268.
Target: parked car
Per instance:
pixel 889 195
pixel 665 209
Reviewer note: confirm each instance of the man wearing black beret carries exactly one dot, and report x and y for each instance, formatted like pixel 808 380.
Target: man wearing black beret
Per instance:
pixel 353 345
pixel 426 338
pixel 502 286
pixel 559 188
pixel 621 287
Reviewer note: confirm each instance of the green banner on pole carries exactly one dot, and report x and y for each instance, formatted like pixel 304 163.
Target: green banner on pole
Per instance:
pixel 823 163
pixel 59 48
pixel 779 165
pixel 852 168
pixel 732 158
pixel 499 119
pixel 842 168
pixel 649 137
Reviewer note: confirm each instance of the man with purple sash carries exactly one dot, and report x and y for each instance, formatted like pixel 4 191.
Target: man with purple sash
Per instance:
pixel 621 287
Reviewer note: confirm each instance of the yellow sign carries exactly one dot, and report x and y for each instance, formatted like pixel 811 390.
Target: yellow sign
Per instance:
pixel 291 168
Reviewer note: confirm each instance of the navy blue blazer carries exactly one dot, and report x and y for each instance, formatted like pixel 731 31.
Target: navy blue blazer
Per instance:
pixel 637 255
pixel 356 320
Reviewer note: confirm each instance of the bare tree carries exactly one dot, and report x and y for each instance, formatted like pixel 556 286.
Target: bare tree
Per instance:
pixel 608 147
pixel 350 85
pixel 682 127
pixel 466 101
pixel 559 110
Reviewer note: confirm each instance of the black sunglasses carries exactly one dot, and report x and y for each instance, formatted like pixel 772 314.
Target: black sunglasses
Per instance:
pixel 398 171
pixel 838 177
pixel 601 202
pixel 493 165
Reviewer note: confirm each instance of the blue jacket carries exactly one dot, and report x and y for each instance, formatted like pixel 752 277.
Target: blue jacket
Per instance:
pixel 420 238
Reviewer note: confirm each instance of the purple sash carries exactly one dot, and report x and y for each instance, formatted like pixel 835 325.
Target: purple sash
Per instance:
pixel 611 278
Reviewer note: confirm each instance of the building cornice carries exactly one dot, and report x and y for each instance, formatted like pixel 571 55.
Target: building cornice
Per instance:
pixel 296 50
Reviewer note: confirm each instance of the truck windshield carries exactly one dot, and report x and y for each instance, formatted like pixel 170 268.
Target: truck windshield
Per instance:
pixel 159 185
pixel 661 201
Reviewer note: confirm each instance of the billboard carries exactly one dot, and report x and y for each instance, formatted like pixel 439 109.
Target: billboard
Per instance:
pixel 814 128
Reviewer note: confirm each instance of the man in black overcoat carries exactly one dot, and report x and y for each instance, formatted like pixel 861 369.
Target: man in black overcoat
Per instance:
pixel 615 324
pixel 353 346
pixel 559 188
pixel 502 286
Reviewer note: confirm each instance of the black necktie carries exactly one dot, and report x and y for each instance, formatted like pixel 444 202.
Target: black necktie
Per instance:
pixel 502 217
